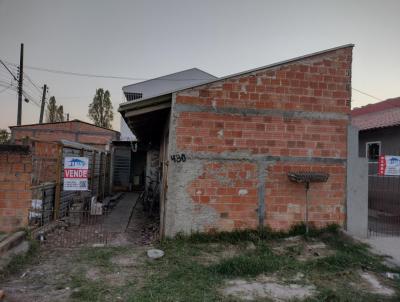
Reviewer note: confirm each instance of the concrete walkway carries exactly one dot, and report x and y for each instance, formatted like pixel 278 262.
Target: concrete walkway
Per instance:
pixel 118 219
pixel 389 246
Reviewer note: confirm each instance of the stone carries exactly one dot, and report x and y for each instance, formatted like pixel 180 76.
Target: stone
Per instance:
pixel 155 254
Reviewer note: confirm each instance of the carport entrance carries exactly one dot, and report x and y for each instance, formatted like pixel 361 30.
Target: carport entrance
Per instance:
pixel 149 121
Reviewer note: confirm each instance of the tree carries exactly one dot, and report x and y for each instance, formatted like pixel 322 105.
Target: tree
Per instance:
pixel 101 109
pixel 54 113
pixel 60 113
pixel 4 136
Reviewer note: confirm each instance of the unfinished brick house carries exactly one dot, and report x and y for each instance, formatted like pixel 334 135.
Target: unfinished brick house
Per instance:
pixel 75 130
pixel 226 144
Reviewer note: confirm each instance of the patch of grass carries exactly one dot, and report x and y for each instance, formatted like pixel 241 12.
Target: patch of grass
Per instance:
pixel 100 256
pixel 253 263
pixel 347 294
pixel 337 276
pixel 178 277
pixel 349 254
pixel 88 291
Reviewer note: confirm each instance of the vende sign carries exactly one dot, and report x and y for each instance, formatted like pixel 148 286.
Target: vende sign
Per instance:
pixel 76 173
pixel 389 165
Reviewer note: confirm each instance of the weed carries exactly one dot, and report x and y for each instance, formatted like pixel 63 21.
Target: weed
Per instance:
pixel 253 263
pixel 86 290
pixel 255 236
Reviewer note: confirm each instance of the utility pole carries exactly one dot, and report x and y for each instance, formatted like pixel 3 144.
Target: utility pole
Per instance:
pixel 42 105
pixel 67 117
pixel 20 81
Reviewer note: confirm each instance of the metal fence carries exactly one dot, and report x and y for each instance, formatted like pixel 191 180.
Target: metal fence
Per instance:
pixel 79 227
pixel 42 208
pixel 99 177
pixel 67 217
pixel 383 204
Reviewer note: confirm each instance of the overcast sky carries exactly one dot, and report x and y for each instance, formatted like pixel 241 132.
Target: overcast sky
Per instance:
pixel 145 39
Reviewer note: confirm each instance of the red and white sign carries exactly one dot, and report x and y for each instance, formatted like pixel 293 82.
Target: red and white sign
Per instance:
pixel 389 165
pixel 76 173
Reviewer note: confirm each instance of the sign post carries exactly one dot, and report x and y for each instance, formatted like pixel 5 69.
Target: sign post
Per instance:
pixel 76 173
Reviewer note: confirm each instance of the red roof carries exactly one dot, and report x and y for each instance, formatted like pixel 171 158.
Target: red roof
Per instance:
pixel 378 115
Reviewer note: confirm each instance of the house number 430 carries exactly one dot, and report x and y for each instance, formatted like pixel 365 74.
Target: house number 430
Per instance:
pixel 177 158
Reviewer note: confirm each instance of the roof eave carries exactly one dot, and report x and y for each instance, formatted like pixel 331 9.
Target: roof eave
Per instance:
pixel 151 101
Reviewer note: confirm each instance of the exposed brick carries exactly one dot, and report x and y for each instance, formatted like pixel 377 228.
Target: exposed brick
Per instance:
pixel 313 85
pixel 73 130
pixel 15 193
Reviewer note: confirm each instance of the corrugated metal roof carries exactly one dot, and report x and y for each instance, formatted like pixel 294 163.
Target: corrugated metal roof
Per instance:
pixel 76 145
pixel 64 122
pixel 167 83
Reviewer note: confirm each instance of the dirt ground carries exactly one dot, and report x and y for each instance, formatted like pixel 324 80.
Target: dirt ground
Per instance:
pixel 56 272
pixel 329 267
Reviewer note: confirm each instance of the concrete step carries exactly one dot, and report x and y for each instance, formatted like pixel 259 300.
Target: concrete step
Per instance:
pixel 20 249
pixel 11 241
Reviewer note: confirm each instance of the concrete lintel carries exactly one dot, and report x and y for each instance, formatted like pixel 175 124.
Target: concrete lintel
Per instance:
pixel 147 110
pixel 263 158
pixel 264 112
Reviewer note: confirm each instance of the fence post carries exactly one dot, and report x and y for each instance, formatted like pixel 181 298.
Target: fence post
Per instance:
pixel 103 190
pixel 99 182
pixel 58 182
pixel 92 178
pixel 107 175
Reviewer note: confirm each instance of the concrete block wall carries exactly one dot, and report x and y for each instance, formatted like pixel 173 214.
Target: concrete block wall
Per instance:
pixel 15 187
pixel 241 135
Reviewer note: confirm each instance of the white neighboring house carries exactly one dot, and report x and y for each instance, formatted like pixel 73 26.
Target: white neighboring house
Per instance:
pixel 160 86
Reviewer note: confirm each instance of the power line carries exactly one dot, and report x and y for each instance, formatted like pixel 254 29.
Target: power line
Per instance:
pixel 362 92
pixel 78 73
pixel 30 98
pixel 7 83
pixel 15 78
pixel 6 88
pixel 92 75
pixel 34 85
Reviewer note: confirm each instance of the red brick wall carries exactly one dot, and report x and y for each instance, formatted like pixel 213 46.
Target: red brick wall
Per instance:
pixel 231 190
pixel 264 124
pixel 72 131
pixel 15 189
pixel 207 131
pixel 285 200
pixel 44 159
